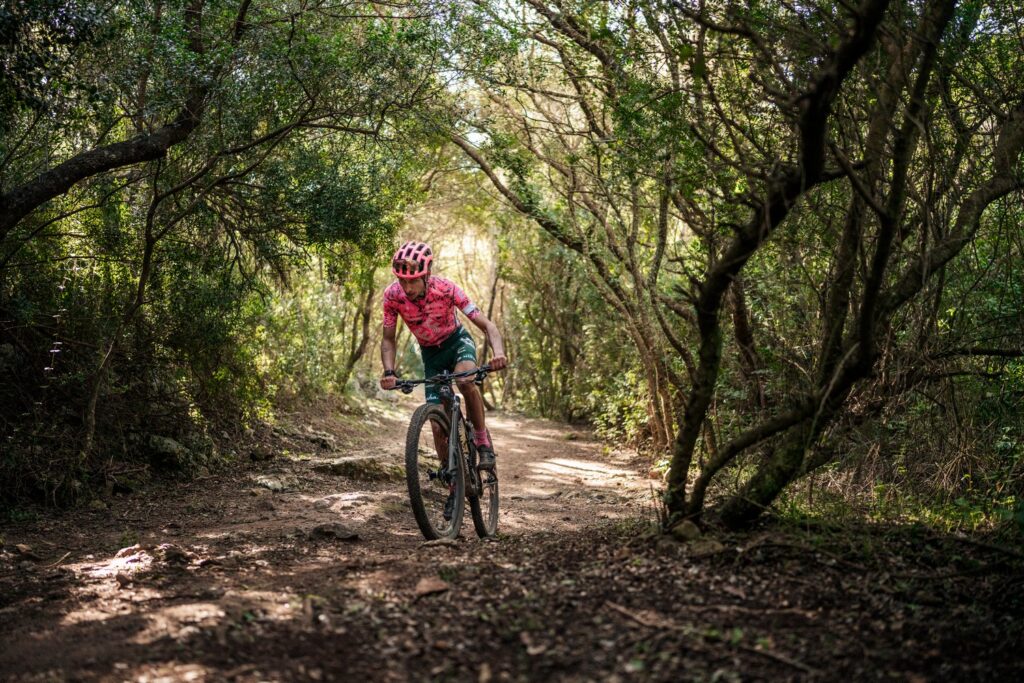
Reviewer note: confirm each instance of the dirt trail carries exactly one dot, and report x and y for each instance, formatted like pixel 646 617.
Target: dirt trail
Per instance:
pixel 238 550
pixel 251 575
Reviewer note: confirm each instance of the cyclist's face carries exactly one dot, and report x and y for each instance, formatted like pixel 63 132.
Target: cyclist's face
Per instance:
pixel 414 289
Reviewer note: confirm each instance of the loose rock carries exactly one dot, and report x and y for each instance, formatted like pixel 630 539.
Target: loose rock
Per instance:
pixel 334 531
pixel 685 530
pixel 429 585
pixel 366 468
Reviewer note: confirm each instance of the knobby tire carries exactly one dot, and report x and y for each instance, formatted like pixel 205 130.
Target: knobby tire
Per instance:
pixel 484 507
pixel 414 463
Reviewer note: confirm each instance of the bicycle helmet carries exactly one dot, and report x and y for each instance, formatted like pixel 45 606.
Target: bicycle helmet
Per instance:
pixel 412 260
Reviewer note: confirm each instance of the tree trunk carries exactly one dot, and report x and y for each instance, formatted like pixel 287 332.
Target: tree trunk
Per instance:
pixel 359 348
pixel 24 199
pixel 742 330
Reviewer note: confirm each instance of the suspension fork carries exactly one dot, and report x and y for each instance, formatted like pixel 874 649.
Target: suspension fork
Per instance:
pixel 454 417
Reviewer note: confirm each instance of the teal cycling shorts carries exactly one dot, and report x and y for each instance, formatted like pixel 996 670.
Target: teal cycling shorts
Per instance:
pixel 459 346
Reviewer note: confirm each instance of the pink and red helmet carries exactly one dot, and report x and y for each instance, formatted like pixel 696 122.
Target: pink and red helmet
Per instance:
pixel 412 260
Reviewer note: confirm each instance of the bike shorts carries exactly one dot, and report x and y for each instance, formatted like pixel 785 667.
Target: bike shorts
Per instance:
pixel 459 346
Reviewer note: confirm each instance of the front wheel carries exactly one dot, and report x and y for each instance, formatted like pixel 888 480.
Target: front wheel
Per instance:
pixel 483 501
pixel 436 491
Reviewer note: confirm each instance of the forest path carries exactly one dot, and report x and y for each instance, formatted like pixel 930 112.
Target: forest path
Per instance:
pixel 224 557
pixel 248 575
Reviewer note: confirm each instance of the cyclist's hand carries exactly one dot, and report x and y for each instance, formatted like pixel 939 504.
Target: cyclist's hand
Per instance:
pixel 388 382
pixel 499 363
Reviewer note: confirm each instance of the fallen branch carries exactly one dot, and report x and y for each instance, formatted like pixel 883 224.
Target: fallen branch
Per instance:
pixel 939 576
pixel 652 619
pixel 988 546
pixel 757 545
pixel 58 562
pixel 753 610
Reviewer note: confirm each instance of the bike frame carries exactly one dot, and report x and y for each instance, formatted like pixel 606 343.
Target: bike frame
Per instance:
pixel 456 420
pixel 453 403
pixel 461 453
pixel 460 428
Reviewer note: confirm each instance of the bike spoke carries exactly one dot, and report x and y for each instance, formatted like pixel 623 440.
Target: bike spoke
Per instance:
pixel 435 480
pixel 485 505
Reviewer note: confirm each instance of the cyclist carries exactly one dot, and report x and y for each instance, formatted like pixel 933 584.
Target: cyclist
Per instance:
pixel 427 305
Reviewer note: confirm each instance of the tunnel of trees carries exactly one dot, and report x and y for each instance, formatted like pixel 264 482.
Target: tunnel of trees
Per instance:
pixel 764 243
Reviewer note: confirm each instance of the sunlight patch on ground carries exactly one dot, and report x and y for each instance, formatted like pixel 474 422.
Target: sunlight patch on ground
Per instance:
pixel 573 473
pixel 125 562
pixel 534 437
pixel 586 466
pixel 176 621
pixel 548 477
pixel 534 493
pixel 373 584
pixel 85 616
pixel 175 672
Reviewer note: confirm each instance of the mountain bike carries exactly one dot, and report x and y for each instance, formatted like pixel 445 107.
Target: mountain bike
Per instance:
pixel 441 463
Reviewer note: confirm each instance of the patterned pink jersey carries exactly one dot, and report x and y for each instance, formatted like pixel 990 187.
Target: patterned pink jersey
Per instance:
pixel 432 318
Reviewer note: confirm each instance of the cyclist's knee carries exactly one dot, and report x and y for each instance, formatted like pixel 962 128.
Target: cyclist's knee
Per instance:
pixel 465 366
pixel 468 389
pixel 465 383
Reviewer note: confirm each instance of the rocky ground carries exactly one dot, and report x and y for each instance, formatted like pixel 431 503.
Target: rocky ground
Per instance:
pixel 305 566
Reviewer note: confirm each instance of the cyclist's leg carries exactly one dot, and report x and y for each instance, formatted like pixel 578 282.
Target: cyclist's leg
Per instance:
pixel 434 361
pixel 465 355
pixel 474 402
pixel 440 443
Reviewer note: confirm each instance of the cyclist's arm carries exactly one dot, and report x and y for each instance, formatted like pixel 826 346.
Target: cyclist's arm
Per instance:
pixel 498 360
pixel 387 355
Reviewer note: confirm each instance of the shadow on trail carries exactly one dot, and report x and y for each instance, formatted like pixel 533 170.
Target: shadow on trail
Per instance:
pixel 230 581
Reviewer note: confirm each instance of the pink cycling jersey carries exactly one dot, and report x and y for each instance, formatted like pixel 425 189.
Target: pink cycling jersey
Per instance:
pixel 431 319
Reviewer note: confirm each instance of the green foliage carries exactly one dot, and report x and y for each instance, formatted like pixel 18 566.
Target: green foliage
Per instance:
pixel 155 309
pixel 305 336
pixel 565 340
pixel 641 124
pixel 38 39
pixel 891 503
pixel 619 407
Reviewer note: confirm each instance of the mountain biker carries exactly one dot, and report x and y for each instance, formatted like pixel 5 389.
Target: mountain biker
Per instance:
pixel 427 304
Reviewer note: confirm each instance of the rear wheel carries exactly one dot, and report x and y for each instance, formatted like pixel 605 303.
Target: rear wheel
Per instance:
pixel 437 492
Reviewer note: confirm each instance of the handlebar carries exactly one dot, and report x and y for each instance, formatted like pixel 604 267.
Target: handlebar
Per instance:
pixel 407 385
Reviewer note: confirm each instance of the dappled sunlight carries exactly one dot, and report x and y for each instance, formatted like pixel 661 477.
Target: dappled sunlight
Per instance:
pixel 535 437
pixel 587 466
pixel 215 582
pixel 169 622
pixel 532 492
pixel 86 615
pixel 545 477
pixel 373 584
pixel 177 671
pixel 576 473
pixel 127 560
